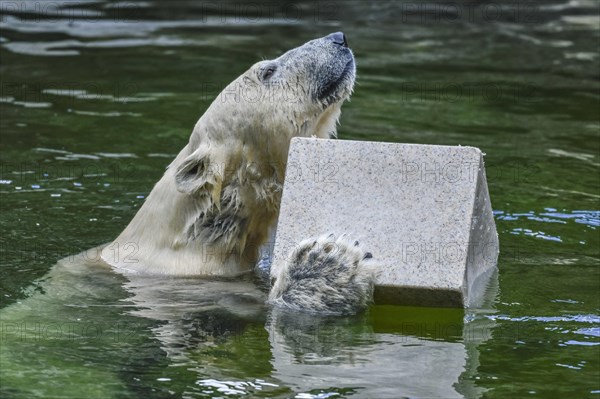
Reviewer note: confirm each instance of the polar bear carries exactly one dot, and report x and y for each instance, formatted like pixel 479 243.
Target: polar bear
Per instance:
pixel 218 200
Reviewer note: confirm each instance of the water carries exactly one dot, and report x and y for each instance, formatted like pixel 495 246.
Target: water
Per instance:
pixel 97 97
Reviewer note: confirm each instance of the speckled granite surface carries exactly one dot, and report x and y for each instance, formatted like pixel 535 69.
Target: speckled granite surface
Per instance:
pixel 423 212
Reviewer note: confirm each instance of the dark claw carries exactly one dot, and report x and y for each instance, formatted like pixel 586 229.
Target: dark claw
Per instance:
pixel 356 243
pixel 368 255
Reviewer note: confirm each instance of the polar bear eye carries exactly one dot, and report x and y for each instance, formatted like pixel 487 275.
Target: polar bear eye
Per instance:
pixel 268 72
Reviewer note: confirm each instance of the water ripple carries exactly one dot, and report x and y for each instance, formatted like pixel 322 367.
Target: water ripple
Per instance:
pixel 586 318
pixel 551 215
pixel 234 387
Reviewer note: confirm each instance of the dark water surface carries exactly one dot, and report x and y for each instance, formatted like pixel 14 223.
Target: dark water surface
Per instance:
pixel 98 96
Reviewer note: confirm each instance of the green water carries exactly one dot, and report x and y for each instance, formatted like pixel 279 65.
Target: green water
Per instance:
pixel 97 97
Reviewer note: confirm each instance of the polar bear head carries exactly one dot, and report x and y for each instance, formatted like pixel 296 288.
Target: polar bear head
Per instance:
pixel 214 206
pixel 299 93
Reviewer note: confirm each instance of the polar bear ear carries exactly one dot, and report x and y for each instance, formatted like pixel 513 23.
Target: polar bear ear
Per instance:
pixel 196 176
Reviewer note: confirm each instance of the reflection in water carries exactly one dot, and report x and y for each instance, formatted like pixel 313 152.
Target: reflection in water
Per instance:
pixel 217 336
pixel 310 352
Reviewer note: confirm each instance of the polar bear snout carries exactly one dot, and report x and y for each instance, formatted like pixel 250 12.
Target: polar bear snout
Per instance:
pixel 323 68
pixel 338 38
pixel 338 75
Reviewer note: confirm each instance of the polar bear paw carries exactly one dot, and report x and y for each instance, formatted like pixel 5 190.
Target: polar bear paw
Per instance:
pixel 325 275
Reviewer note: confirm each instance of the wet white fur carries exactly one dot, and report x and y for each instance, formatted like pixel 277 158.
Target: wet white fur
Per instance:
pixel 325 275
pixel 242 140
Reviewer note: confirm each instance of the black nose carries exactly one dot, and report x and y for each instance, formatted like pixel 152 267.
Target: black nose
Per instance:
pixel 338 38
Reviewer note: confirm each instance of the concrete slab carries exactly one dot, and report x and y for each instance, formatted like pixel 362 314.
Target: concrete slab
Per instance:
pixel 423 211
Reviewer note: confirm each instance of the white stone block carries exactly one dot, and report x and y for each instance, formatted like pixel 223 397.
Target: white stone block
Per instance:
pixel 423 211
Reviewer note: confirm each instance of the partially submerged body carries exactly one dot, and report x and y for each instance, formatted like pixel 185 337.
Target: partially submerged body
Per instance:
pixel 218 200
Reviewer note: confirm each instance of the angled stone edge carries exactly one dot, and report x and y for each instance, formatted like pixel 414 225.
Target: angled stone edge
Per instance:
pixel 407 218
